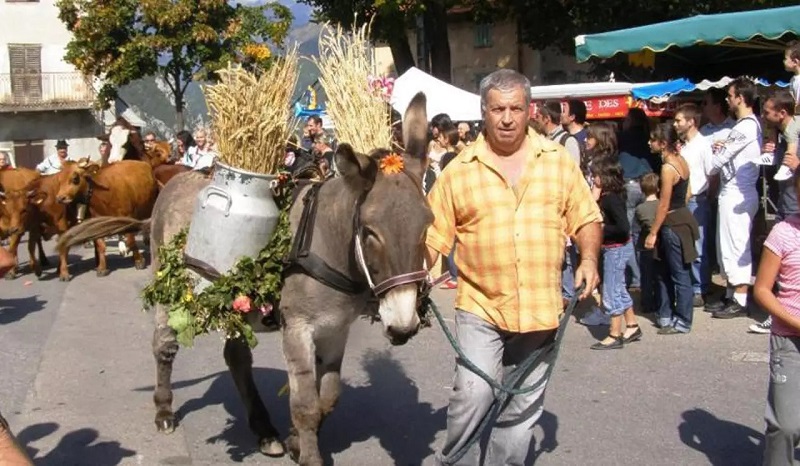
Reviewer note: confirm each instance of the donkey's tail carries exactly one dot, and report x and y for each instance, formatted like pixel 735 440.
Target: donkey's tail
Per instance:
pixel 101 227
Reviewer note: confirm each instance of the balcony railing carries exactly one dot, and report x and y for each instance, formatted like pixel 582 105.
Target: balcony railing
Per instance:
pixel 45 91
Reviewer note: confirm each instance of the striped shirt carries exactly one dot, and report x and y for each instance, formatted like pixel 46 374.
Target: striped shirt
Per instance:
pixel 784 241
pixel 510 239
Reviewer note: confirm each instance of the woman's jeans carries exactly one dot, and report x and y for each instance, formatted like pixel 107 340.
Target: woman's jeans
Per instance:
pixel 616 299
pixel 634 198
pixel 782 414
pixel 674 283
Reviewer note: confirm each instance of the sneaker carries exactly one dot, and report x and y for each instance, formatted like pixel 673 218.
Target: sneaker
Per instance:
pixel 732 310
pixel 596 317
pixel 698 301
pixel 449 285
pixel 716 306
pixel 123 249
pixel 761 327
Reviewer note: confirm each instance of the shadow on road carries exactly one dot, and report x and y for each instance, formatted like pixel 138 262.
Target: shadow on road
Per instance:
pixel 388 409
pixel 723 442
pixel 16 309
pixel 77 447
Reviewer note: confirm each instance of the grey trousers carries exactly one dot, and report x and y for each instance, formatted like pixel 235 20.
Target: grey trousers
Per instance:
pixel 782 415
pixel 496 352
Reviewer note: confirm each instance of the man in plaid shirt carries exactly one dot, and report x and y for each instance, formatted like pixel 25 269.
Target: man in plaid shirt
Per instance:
pixel 508 202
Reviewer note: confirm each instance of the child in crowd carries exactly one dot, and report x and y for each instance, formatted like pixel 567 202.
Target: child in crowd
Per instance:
pixel 780 260
pixel 644 216
pixel 609 189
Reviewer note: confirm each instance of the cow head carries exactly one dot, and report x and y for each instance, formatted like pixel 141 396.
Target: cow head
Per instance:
pixel 77 177
pixel 157 153
pixel 118 138
pixel 16 207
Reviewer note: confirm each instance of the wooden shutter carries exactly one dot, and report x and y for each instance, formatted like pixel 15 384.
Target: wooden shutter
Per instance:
pixel 28 154
pixel 26 72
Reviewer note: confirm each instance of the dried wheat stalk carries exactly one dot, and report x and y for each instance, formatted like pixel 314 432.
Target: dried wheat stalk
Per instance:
pixel 252 116
pixel 362 119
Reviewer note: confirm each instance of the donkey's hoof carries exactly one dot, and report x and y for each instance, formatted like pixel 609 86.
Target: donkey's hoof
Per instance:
pixel 271 447
pixel 65 278
pixel 103 273
pixel 165 425
pixel 293 446
pixel 12 275
pixel 140 265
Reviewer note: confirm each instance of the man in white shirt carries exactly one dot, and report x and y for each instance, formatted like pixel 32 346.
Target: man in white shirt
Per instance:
pixel 52 164
pixel 697 152
pixel 735 161
pixel 716 112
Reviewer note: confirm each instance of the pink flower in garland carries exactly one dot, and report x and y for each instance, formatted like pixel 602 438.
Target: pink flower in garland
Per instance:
pixel 266 309
pixel 242 304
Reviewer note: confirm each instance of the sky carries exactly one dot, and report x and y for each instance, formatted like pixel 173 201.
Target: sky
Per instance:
pixel 301 12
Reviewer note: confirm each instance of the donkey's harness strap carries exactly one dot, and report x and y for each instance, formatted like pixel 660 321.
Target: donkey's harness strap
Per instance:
pixel 302 259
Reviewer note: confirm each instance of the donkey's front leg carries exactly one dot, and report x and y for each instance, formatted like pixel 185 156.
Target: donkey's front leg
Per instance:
pixel 330 354
pixel 239 359
pixel 165 347
pixel 304 403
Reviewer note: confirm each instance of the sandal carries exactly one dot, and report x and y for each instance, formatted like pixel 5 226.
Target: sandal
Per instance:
pixel 618 343
pixel 635 336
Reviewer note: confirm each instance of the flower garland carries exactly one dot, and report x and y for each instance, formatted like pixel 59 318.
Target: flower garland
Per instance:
pixel 253 284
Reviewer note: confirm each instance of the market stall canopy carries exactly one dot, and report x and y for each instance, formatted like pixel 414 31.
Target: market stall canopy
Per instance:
pixel 457 103
pixel 715 45
pixel 661 91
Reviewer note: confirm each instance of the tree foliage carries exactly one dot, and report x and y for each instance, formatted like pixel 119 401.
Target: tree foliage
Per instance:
pixel 391 21
pixel 120 41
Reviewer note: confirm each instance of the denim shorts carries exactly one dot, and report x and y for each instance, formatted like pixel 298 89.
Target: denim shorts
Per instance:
pixel 616 299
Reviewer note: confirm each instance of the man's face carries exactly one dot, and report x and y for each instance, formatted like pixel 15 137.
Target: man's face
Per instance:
pixel 682 124
pixel 791 64
pixel 566 118
pixel 3 159
pixel 771 114
pixel 62 152
pixel 105 149
pixel 734 101
pixel 149 140
pixel 506 118
pixel 463 129
pixel 312 128
pixel 200 139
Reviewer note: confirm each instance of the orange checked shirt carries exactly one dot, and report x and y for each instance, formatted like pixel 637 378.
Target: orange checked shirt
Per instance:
pixel 510 240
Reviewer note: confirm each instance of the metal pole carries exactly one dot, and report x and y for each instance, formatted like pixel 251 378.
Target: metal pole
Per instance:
pixel 422 45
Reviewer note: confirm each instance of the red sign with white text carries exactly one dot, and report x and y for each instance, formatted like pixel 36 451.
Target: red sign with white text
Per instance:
pixel 599 108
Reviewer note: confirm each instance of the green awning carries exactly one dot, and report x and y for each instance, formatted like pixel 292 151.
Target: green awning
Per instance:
pixel 757 29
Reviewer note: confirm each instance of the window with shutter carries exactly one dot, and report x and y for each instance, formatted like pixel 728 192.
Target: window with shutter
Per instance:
pixel 26 72
pixel 28 154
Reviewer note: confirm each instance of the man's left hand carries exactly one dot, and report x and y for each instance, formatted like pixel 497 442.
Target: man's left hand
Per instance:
pixel 587 274
pixel 791 160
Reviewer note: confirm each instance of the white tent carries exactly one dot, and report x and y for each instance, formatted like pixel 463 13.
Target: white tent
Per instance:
pixel 459 104
pixel 583 90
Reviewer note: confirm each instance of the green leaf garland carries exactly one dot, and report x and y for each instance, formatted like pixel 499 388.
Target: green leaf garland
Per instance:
pixel 256 281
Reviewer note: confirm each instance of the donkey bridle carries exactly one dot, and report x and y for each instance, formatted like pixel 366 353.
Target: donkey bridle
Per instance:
pixel 302 259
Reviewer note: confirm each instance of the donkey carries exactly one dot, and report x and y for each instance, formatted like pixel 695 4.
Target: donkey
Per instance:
pixel 369 226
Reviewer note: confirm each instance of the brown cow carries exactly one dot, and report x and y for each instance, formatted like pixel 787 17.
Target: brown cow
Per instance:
pixel 122 189
pixel 17 217
pixel 54 218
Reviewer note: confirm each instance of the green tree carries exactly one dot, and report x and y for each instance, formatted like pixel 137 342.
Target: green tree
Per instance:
pixel 391 21
pixel 120 41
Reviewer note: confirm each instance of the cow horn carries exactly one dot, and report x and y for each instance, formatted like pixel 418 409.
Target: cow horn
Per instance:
pixel 83 163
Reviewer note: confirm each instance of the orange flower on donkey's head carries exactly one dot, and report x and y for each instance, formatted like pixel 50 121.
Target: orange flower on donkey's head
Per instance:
pixel 392 164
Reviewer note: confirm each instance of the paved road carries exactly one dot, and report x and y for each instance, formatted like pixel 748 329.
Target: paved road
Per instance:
pixel 77 379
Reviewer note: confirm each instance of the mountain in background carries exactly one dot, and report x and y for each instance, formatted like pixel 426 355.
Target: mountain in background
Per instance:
pixel 150 99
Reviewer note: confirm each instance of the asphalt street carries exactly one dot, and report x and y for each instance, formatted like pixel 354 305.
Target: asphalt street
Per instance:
pixel 77 374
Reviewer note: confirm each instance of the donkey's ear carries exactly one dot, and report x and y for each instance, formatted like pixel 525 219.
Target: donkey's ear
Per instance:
pixel 415 127
pixel 358 170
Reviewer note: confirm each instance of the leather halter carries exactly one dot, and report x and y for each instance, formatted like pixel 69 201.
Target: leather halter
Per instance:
pixel 302 258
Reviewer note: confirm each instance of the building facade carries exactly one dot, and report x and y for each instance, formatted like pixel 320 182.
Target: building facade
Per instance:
pixel 478 49
pixel 42 97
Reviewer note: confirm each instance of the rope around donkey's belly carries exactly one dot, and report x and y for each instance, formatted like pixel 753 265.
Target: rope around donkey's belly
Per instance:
pixel 513 379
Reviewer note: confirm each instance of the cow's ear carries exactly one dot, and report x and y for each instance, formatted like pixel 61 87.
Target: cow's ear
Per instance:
pixel 36 197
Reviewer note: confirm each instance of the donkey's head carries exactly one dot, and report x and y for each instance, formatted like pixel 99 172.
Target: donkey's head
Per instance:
pixel 392 220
